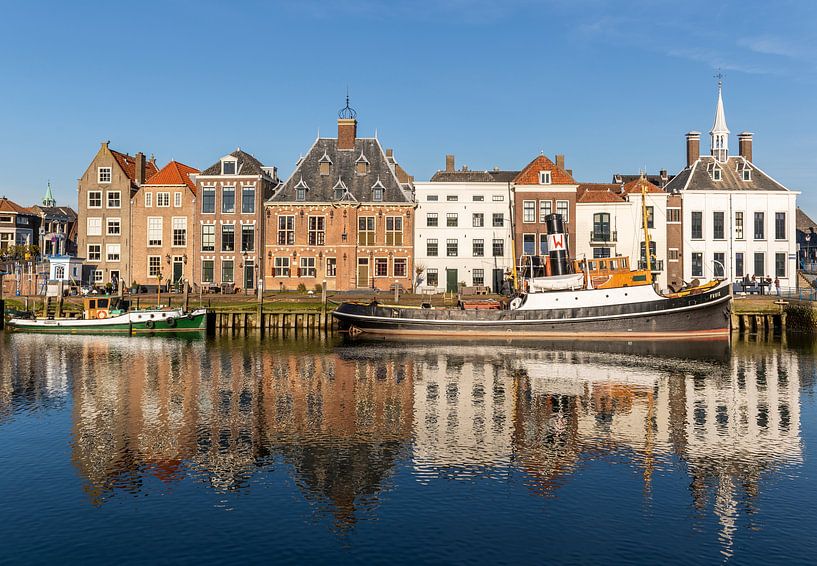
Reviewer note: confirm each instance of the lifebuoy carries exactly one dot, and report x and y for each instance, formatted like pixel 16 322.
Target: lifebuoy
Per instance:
pixel 102 314
pixel 516 303
pixel 171 321
pixel 190 316
pixel 149 324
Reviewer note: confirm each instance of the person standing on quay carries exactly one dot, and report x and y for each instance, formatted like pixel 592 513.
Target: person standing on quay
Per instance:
pixel 777 285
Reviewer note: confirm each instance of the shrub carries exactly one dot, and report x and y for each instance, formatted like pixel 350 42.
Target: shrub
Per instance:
pixel 318 288
pixel 301 288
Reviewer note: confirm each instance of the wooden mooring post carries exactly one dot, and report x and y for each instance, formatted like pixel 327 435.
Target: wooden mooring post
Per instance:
pixel 301 322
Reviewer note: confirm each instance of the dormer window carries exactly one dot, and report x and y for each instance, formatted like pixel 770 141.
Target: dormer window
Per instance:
pixel 228 167
pixel 716 174
pixel 300 190
pixel 361 165
pixel 340 189
pixel 746 172
pixel 325 164
pixel 339 193
pixel 378 190
pixel 544 177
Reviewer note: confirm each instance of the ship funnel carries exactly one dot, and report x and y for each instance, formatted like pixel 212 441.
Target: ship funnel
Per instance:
pixel 557 245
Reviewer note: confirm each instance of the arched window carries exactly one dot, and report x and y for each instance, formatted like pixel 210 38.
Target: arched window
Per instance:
pixel 59 272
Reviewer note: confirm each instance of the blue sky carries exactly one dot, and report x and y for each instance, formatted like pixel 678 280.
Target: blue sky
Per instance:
pixel 612 85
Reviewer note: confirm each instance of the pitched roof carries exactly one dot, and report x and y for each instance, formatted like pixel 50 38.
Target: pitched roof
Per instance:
pixel 128 165
pixel 530 174
pixel 7 205
pixel 343 173
pixel 174 173
pixel 698 177
pixel 803 221
pixel 657 180
pixel 467 176
pixel 639 184
pixel 55 212
pixel 599 192
pixel 246 164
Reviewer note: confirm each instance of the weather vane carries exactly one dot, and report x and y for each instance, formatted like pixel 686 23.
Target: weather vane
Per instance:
pixel 719 76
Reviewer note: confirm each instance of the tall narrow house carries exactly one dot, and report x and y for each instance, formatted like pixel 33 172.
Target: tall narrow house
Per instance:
pixel 345 217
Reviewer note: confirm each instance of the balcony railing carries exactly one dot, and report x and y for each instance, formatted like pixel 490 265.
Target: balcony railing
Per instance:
pixel 657 264
pixel 600 237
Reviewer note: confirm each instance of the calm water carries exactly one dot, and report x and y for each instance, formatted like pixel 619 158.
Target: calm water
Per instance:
pixel 240 449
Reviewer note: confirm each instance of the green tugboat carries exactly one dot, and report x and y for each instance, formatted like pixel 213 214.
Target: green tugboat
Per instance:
pixel 110 315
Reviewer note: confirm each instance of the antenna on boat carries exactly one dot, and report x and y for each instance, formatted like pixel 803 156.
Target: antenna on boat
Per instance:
pixel 643 183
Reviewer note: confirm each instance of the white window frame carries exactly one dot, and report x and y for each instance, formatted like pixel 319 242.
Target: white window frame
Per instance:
pixel 89 199
pixel 111 250
pixel 307 265
pixel 99 178
pixel 93 226
pixel 98 253
pixel 528 206
pixel 158 221
pixel 154 270
pixel 280 264
pixel 566 215
pixel 108 199
pixel 333 272
pixel 108 222
pixel 163 197
pixel 178 223
pixel 148 200
pixel 545 178
pixel 98 276
pixel 177 199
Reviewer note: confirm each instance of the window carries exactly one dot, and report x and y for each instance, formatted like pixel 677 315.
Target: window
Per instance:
pixel 365 231
pixel 103 174
pixel 394 230
pixel 227 271
pixel 432 249
pixel 94 224
pixel 281 267
pixel 248 200
pixel 601 227
pixel 716 174
pixel 602 252
pixel 739 264
pixel 179 231
pixel 324 168
pixel 451 219
pixel 452 198
pixel 760 226
pixel 746 174
pixel 154 266
pixel 543 244
pixel 498 247
pixel 207 271
pixel 154 231
pixel 478 198
pixel 316 234
pixel 308 268
pixel 760 264
pixel 381 267
pixel 718 264
pixel 228 199
pixel 432 198
pixel 112 252
pixel 717 226
pixel 177 200
pixel 432 277
pixel 529 211
pixel 97 276
pixel 478 277
pixel 545 208
pixel 331 266
pixel 286 230
pixel 674 215
pixel 148 200
pixel 208 200
pixel 431 219
pixel 544 177
pixel 563 208
pixel 650 217
pixel 163 200
pixel 208 237
pixel 672 254
pixel 228 167
pixel 479 247
pixel 400 267
pixel 94 252
pixel 779 225
pixel 227 238
pixel 377 194
pixel 529 244
pixel 248 238
pixel 59 272
pixel 498 198
pixel 780 264
pixel 114 199
pixel 451 247
pixel 738 225
pixel 339 193
pixel 697 225
pixel 478 220
pixel 697 264
pixel 94 199
pixel 498 220
pixel 114 227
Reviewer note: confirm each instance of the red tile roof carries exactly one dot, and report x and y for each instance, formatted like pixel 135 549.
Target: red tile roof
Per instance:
pixel 7 205
pixel 174 173
pixel 635 186
pixel 530 174
pixel 128 165
pixel 599 192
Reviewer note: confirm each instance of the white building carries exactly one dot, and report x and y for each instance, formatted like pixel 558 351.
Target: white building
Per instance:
pixel 610 222
pixel 462 229
pixel 737 220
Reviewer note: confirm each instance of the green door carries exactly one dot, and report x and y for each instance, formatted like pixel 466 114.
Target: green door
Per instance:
pixel 451 280
pixel 178 269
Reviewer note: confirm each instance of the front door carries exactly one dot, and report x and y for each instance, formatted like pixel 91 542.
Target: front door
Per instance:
pixel 451 280
pixel 178 269
pixel 499 277
pixel 115 278
pixel 249 269
pixel 362 272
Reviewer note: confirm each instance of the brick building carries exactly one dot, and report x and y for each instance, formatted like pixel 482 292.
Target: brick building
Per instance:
pixel 162 215
pixel 344 216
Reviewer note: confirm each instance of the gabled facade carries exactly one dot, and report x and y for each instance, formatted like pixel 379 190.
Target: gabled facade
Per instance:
pixel 18 225
pixel 230 221
pixel 737 219
pixel 162 217
pixel 345 216
pixel 462 229
pixel 104 213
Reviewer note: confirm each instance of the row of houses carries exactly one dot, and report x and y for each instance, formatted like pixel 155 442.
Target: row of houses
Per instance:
pixel 349 216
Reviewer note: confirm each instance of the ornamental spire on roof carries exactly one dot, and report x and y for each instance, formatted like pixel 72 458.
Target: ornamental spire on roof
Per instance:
pixel 49 200
pixel 719 135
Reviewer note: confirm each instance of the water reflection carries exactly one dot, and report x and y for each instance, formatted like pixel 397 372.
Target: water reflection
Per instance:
pixel 344 418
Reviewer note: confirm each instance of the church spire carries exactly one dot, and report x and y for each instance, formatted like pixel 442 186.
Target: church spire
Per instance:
pixel 49 200
pixel 719 135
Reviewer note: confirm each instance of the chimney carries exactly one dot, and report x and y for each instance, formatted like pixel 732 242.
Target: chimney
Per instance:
pixel 569 172
pixel 664 177
pixel 139 160
pixel 745 145
pixel 449 163
pixel 389 153
pixel 560 161
pixel 347 132
pixel 693 147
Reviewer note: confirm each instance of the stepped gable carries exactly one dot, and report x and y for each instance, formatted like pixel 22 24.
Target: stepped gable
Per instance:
pixel 246 164
pixel 699 177
pixel 174 173
pixel 599 193
pixel 342 172
pixel 530 174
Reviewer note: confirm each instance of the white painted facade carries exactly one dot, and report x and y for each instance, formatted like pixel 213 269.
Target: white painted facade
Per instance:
pixel 477 249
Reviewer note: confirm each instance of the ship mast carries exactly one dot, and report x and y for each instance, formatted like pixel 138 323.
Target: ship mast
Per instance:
pixel 646 230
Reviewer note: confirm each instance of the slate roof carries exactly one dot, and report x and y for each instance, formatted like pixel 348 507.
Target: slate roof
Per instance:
pixel 656 180
pixel 467 176
pixel 174 173
pixel 128 165
pixel 530 174
pixel 320 188
pixel 7 205
pixel 599 193
pixel 803 221
pixel 56 212
pixel 246 165
pixel 698 177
